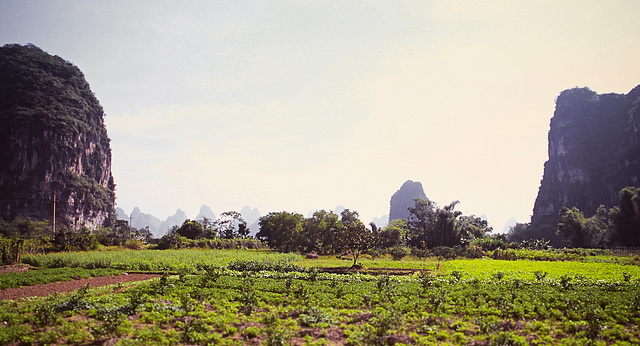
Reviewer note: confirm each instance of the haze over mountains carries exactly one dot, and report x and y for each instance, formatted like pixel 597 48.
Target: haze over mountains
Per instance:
pixel 159 228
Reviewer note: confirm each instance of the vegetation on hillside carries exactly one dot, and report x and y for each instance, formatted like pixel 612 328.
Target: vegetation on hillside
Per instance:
pixel 616 227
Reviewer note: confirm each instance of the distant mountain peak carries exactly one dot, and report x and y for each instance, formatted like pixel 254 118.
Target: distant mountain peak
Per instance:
pixel 205 211
pixel 403 199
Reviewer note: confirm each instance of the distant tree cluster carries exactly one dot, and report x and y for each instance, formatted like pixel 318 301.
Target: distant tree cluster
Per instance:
pixel 324 232
pixel 229 226
pixel 428 226
pixel 618 226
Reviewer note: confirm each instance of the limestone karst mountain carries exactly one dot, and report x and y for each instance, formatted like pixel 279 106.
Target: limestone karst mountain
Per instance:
pixel 403 199
pixel 205 211
pixel 252 217
pixel 594 152
pixel 53 142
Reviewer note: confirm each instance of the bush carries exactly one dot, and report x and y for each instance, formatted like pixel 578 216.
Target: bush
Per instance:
pixel 491 243
pixel 66 240
pixel 265 265
pixel 134 244
pixel 171 241
pixel 444 252
pixel 398 253
pixel 10 250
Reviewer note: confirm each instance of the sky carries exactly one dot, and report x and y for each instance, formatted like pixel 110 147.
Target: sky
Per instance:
pixel 300 105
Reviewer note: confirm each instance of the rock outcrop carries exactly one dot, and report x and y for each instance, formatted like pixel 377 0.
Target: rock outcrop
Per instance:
pixel 594 152
pixel 53 142
pixel 403 199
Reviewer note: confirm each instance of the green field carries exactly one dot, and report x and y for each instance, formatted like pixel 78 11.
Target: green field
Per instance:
pixel 258 297
pixel 152 260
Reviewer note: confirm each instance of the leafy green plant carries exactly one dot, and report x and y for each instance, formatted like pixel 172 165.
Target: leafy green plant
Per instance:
pixel 113 322
pixel 316 317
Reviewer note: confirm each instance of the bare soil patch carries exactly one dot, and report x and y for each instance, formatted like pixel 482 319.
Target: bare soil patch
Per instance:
pixel 43 290
pixel 14 268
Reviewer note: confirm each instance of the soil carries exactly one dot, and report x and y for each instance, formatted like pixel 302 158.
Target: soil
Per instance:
pixel 43 290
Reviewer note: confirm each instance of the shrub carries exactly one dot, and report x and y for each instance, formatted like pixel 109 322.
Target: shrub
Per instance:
pixel 398 253
pixel 66 240
pixel 134 244
pixel 171 241
pixel 491 243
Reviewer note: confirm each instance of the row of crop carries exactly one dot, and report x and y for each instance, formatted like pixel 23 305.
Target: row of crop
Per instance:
pixel 293 307
pixel 152 260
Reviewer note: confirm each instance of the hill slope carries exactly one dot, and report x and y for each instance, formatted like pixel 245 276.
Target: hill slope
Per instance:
pixel 594 152
pixel 53 141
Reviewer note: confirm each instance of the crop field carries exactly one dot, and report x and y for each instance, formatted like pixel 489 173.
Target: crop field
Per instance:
pixel 270 299
pixel 152 260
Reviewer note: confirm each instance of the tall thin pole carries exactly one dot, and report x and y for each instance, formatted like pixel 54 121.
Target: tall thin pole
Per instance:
pixel 53 227
pixel 130 216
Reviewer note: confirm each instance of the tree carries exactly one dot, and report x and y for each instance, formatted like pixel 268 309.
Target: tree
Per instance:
pixel 472 227
pixel 209 228
pixel 572 227
pixel 190 229
pixel 446 224
pixel 421 223
pixel 395 234
pixel 625 218
pixel 281 230
pixel 320 231
pixel 24 228
pixel 579 231
pixel 229 225
pixel 354 237
pixel 431 226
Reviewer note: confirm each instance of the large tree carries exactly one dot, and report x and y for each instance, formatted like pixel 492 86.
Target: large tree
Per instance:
pixel 281 230
pixel 395 234
pixel 320 231
pixel 230 225
pixel 431 226
pixel 191 229
pixel 579 231
pixel 354 237
pixel 421 223
pixel 625 218
pixel 472 227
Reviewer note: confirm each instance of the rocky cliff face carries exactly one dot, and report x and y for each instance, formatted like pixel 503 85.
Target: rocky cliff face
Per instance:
pixel 403 199
pixel 53 142
pixel 594 152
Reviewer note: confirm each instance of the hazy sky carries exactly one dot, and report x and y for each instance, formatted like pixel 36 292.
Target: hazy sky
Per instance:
pixel 302 105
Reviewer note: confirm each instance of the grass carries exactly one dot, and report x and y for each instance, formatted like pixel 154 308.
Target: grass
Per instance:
pixel 487 268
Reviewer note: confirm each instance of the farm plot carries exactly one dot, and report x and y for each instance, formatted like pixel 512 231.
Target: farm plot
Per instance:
pixel 153 260
pixel 224 306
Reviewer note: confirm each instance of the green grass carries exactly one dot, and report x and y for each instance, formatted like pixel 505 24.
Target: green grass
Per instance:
pixel 487 268
pixel 152 260
pixel 44 276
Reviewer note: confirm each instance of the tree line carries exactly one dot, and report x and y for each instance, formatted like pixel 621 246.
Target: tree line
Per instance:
pixel 428 226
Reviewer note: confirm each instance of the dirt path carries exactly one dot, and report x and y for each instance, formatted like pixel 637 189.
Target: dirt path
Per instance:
pixel 43 290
